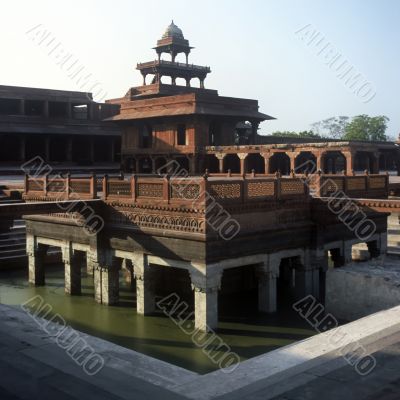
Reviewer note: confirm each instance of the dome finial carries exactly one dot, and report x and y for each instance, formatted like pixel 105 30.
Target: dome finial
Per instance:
pixel 173 31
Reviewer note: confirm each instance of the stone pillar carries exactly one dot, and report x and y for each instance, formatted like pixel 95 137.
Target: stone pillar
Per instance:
pixel 292 157
pixel 318 157
pixel 72 271
pixel 205 308
pixel 97 282
pixel 242 157
pixel 110 284
pixel 220 157
pixel 347 252
pixel 205 285
pixel 91 261
pixel 145 296
pixel 266 156
pixel 36 254
pixel 106 283
pixel 349 161
pixel 267 290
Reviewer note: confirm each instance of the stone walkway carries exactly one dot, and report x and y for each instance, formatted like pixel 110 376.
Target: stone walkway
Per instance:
pixel 383 383
pixel 33 366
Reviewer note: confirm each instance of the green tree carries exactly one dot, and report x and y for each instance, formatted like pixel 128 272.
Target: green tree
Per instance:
pixel 302 134
pixel 334 127
pixel 364 127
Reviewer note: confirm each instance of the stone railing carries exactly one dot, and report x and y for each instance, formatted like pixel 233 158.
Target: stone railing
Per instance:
pixel 57 188
pixel 198 189
pixel 223 188
pixel 357 186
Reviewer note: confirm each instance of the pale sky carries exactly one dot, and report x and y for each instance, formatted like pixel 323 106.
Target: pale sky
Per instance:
pixel 251 46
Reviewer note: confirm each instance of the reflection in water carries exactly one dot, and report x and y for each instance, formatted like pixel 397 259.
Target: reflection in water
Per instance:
pixel 247 333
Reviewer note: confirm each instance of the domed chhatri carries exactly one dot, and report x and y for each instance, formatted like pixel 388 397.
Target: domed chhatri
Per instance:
pixel 173 31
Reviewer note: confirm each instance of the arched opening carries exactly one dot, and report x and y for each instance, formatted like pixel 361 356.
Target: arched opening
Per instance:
pixel 145 165
pixel 232 163
pixel 363 161
pixel 333 162
pixel 129 164
pixel 239 292
pixel 183 164
pixel 211 163
pixel 161 165
pixel 255 161
pixel 173 280
pixel 214 133
pixel 280 162
pixel 10 148
pixel 180 81
pixel 305 162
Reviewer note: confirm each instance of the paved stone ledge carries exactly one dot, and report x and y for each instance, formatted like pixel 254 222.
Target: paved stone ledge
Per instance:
pixel 282 365
pixel 31 363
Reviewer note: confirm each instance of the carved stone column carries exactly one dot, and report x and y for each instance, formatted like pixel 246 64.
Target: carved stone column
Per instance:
pixel 72 270
pixel 220 157
pixel 205 285
pixel 349 161
pixel 106 282
pixel 293 156
pixel 145 296
pixel 36 254
pixel 242 157
pixel 266 157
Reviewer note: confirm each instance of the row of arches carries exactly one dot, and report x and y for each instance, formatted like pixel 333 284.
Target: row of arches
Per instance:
pixel 330 162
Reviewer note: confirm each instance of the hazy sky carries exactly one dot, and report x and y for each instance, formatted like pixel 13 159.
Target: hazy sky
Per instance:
pixel 251 46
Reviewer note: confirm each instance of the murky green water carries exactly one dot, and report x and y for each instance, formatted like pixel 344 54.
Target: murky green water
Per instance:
pixel 247 333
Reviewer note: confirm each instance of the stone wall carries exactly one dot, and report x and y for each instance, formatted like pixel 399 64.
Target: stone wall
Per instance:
pixel 360 289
